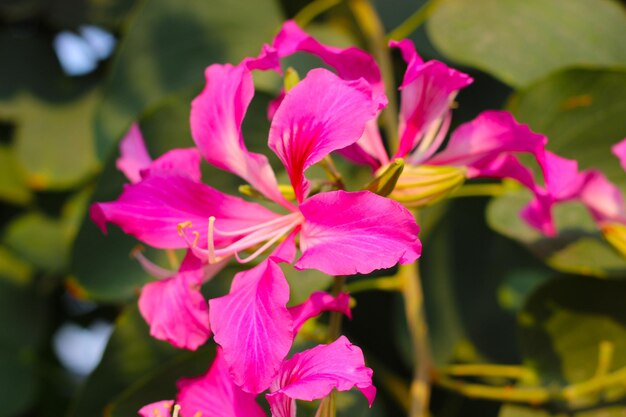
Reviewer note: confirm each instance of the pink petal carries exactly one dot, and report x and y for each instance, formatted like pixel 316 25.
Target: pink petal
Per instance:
pixel 214 394
pixel 369 149
pixel 158 409
pixel 427 92
pixel 506 166
pixel 177 162
pixel 152 210
pixel 316 304
pixel 216 117
pixel 286 251
pixel 314 373
pixel 619 150
pixel 320 114
pixel 253 325
pixel 603 199
pixel 350 63
pixel 491 134
pixel 348 233
pixel 133 154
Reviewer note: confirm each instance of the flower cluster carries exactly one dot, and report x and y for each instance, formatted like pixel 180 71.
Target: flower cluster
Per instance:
pixel 337 232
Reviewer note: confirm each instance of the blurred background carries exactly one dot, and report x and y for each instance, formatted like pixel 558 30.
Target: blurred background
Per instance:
pixel 74 74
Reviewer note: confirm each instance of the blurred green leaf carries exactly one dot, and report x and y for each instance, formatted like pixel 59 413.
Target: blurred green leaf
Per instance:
pixel 70 14
pixel 521 411
pixel 23 320
pixel 13 268
pixel 131 354
pixel 303 283
pixel 53 140
pixel 520 41
pixel 564 322
pixel 168 49
pixel 13 186
pixel 582 113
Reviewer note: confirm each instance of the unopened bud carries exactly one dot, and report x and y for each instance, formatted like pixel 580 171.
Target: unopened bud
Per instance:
pixel 422 185
pixel 291 78
pixel 386 178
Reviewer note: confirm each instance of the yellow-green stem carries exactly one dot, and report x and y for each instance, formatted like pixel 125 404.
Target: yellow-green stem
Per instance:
pixel 412 22
pixel 479 190
pixel 418 330
pixel 487 371
pixel 309 12
pixel 379 284
pixel 374 33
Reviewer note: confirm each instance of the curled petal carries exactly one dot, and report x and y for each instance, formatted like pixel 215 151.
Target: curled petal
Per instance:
pixel 153 209
pixel 314 373
pixel 428 89
pixel 320 114
pixel 619 150
pixel 216 117
pixel 158 409
pixel 491 134
pixel 316 304
pixel 177 162
pixel 348 233
pixel 215 395
pixel 253 325
pixel 133 154
pixel 350 63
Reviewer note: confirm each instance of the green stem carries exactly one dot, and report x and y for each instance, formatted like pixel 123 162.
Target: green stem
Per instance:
pixel 374 33
pixel 487 371
pixel 418 330
pixel 534 395
pixel 412 22
pixel 309 12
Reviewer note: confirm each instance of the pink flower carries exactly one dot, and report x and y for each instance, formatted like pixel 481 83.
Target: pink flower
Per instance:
pixel 482 148
pixel 308 376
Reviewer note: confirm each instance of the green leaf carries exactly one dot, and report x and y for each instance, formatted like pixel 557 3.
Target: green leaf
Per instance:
pixel 131 355
pixel 23 320
pixel 13 268
pixel 13 186
pixel 520 41
pixel 582 113
pixel 509 410
pixel 168 49
pixel 564 323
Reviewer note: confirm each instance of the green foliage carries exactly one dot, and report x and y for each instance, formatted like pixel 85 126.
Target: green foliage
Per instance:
pixel 523 41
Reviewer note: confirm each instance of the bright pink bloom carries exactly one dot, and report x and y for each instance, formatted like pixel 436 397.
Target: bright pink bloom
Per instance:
pixel 308 376
pixel 215 395
pixel 258 337
pixel 314 373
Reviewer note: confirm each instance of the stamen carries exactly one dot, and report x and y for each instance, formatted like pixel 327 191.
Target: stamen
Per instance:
pixel 211 242
pixel 262 249
pixel 176 410
pixel 432 140
pixel 181 232
pixel 150 267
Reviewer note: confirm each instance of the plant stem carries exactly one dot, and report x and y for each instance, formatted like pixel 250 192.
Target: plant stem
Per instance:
pixel 380 284
pixel 479 190
pixel 309 12
pixel 418 330
pixel 487 371
pixel 374 33
pixel 531 395
pixel 412 22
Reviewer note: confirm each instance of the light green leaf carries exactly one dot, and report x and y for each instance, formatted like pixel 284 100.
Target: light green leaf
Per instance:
pixel 521 41
pixel 13 268
pixel 13 186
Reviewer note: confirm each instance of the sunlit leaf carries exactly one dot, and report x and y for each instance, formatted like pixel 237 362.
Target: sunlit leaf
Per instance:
pixel 521 41
pixel 13 186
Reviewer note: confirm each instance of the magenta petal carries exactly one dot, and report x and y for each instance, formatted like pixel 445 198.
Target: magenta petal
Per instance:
pixel 215 395
pixel 158 409
pixel 348 233
pixel 253 325
pixel 152 210
pixel 486 137
pixel 286 250
pixel 317 303
pixel 320 114
pixel 350 63
pixel 176 310
pixel 427 92
pixel 314 373
pixel 603 198
pixel 216 117
pixel 619 150
pixel 133 154
pixel 177 162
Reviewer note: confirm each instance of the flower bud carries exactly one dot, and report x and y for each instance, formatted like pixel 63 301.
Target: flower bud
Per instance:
pixel 422 185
